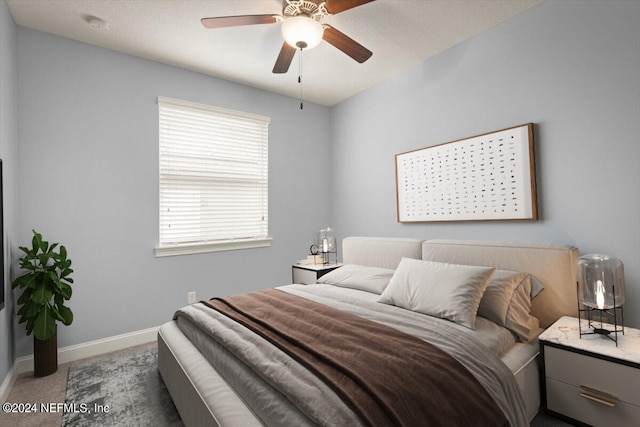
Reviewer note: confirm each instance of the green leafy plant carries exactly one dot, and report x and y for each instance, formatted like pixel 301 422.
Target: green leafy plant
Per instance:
pixel 46 287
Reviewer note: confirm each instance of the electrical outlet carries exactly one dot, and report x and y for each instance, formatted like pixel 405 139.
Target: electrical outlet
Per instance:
pixel 191 297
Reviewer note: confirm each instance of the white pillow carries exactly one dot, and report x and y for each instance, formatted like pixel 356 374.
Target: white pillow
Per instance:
pixel 448 291
pixel 370 279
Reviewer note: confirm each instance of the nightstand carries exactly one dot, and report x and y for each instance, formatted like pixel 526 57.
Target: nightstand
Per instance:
pixel 589 379
pixel 309 273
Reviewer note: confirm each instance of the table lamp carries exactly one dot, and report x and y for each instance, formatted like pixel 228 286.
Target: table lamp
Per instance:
pixel 600 295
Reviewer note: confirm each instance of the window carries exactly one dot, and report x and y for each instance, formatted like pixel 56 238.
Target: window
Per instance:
pixel 213 179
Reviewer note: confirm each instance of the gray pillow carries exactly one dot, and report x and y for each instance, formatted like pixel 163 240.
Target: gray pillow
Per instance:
pixel 507 302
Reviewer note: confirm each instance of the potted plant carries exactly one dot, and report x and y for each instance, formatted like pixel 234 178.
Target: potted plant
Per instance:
pixel 46 285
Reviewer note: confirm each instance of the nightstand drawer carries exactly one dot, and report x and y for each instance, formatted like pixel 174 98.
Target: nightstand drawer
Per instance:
pixel 613 379
pixel 567 400
pixel 304 277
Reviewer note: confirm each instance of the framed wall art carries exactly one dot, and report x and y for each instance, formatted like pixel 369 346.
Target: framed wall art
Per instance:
pixel 488 177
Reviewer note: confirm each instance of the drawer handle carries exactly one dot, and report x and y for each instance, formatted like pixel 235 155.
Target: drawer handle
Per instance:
pixel 598 396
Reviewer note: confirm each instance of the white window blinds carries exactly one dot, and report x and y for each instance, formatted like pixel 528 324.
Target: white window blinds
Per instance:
pixel 213 178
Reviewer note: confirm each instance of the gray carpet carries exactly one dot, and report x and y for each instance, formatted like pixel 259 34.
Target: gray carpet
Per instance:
pixel 129 385
pixel 120 389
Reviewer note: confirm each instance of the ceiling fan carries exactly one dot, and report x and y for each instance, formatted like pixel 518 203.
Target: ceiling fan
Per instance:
pixel 302 28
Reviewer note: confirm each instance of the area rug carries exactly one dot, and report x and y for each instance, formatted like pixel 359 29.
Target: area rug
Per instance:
pixel 120 389
pixel 125 389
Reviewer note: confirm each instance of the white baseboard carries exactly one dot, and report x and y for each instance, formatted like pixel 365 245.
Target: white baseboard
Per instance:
pixel 90 349
pixel 7 384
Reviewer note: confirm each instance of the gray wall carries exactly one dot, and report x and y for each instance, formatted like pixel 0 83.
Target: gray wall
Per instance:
pixel 573 69
pixel 8 153
pixel 88 126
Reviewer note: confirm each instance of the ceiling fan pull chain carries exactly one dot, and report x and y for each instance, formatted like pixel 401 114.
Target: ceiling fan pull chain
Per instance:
pixel 300 77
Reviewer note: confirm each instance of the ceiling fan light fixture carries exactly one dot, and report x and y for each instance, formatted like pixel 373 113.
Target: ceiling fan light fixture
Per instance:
pixel 302 32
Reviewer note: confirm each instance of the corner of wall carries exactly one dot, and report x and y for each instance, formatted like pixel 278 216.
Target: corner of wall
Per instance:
pixel 8 153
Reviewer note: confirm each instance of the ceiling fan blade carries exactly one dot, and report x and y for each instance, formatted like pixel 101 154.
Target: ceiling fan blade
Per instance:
pixel 346 44
pixel 337 6
pixel 234 21
pixel 284 59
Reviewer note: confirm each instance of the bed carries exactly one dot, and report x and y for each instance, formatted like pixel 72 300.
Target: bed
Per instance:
pixel 213 381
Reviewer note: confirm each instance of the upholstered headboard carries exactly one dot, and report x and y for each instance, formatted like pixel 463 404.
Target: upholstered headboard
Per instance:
pixel 385 252
pixel 552 264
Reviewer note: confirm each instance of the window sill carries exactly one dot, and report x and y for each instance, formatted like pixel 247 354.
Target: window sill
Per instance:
pixel 231 245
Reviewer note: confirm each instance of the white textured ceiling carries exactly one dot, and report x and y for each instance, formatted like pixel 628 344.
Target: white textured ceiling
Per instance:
pixel 401 33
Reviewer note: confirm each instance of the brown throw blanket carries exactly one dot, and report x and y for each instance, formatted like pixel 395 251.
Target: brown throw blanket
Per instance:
pixel 388 377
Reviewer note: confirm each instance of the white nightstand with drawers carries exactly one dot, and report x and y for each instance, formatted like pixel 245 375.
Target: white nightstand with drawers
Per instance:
pixel 589 379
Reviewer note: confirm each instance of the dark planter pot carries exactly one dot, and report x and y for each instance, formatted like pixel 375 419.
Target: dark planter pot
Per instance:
pixel 45 356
